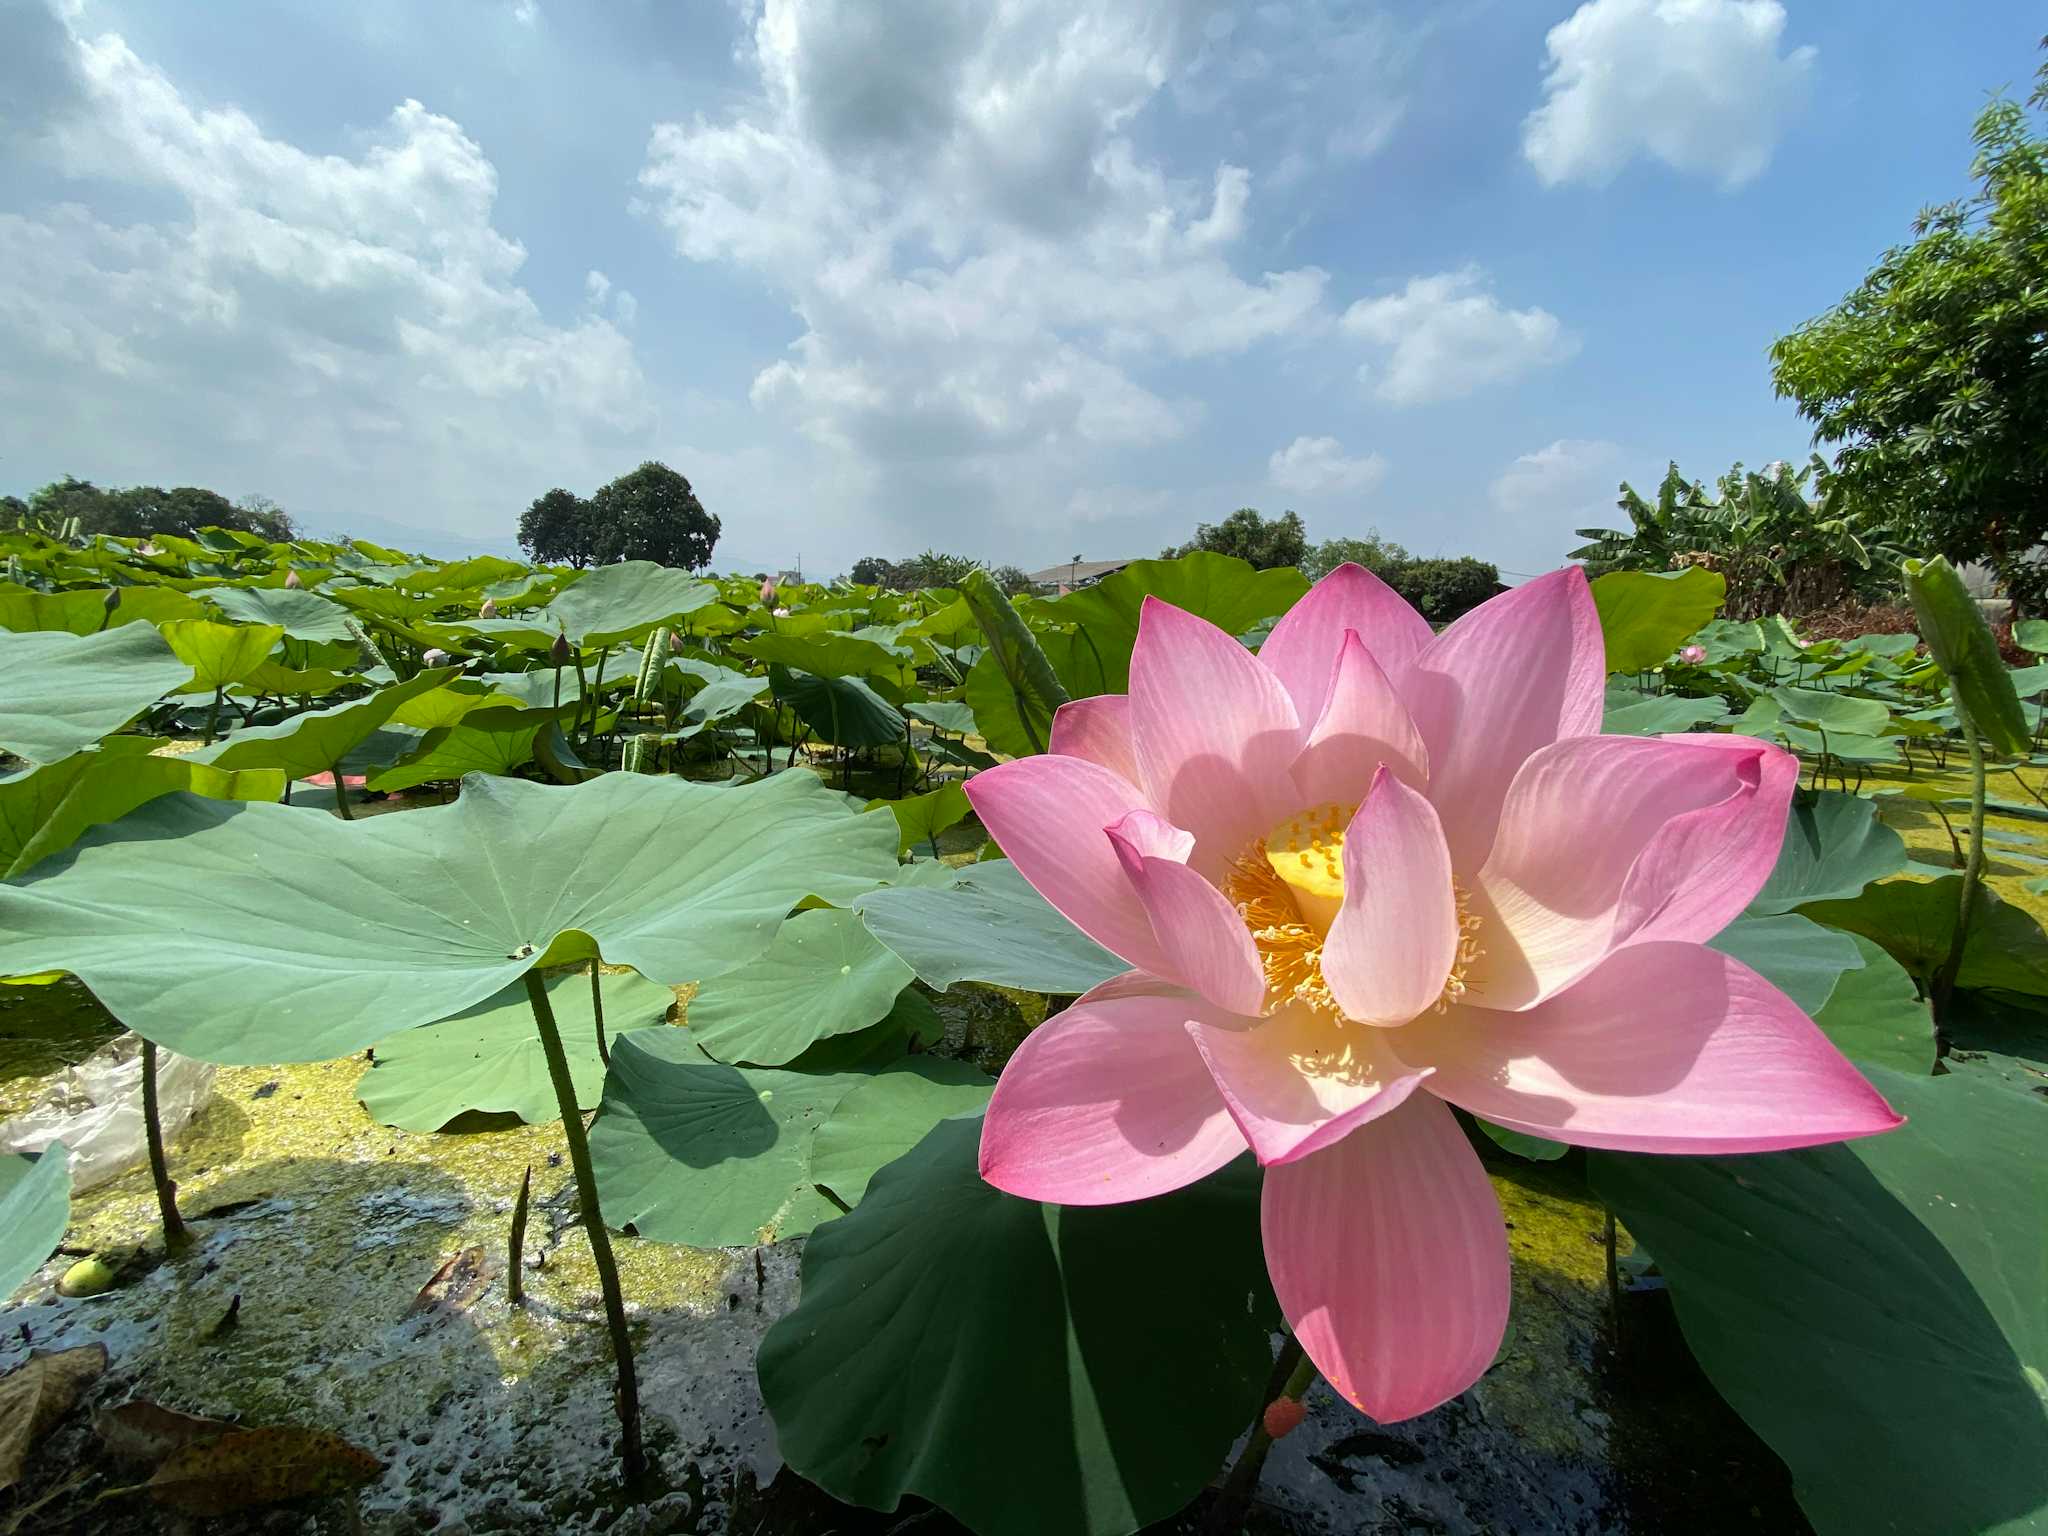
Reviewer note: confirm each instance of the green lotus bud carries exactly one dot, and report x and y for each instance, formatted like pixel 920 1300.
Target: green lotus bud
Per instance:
pixel 112 600
pixel 1953 626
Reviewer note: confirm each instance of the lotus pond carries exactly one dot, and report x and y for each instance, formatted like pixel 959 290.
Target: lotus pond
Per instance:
pixel 387 862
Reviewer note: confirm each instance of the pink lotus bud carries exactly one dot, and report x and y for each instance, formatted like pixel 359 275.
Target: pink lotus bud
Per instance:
pixel 489 610
pixel 767 591
pixel 148 547
pixel 291 580
pixel 675 642
pixel 435 658
pixel 560 650
pixel 1284 1416
pixel 1805 645
pixel 1693 655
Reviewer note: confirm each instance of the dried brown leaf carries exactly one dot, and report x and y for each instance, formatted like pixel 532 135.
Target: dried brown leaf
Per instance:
pixel 247 1467
pixel 455 1284
pixel 144 1433
pixel 36 1394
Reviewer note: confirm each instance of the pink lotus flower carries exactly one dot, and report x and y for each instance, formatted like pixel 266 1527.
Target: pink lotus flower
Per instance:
pixel 488 608
pixel 1364 875
pixel 292 582
pixel 1692 655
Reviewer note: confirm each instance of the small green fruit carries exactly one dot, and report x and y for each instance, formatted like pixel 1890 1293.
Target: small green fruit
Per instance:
pixel 88 1277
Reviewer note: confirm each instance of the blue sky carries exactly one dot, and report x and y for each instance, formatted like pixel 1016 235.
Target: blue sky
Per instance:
pixel 1018 280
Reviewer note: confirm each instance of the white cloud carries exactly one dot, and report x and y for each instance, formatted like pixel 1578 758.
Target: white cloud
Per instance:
pixel 982 261
pixel 1309 466
pixel 1543 497
pixel 1446 336
pixel 1697 84
pixel 351 324
pixel 526 12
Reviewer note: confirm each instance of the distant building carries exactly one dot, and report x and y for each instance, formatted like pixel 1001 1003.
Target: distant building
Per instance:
pixel 1077 573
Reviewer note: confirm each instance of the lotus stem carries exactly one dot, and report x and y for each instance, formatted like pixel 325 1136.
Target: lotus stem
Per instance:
pixel 341 796
pixel 515 1273
pixel 632 1456
pixel 1227 1514
pixel 1973 875
pixel 176 1234
pixel 597 1012
pixel 212 719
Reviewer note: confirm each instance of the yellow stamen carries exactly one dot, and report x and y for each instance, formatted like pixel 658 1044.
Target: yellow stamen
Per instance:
pixel 1289 904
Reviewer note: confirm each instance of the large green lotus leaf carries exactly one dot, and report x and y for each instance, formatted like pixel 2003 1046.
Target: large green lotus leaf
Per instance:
pixel 624 601
pixel 489 1057
pixel 889 1114
pixel 945 716
pixel 302 615
pixel 465 575
pixel 828 655
pixel 1636 714
pixel 1845 746
pixel 1875 1309
pixel 921 818
pixel 690 1150
pixel 823 975
pixel 47 809
pixel 1834 846
pixel 260 933
pixel 380 603
pixel 844 711
pixel 314 742
pixel 61 692
pixel 1915 920
pixel 897 1374
pixel 1646 615
pixel 1016 725
pixel 219 654
pixel 1798 957
pixel 451 751
pixel 1876 1015
pixel 452 703
pixel 85 613
pixel 1835 713
pixel 278 681
pixel 35 1208
pixel 988 925
pixel 1726 639
pixel 721 698
pixel 2031 635
pixel 1220 588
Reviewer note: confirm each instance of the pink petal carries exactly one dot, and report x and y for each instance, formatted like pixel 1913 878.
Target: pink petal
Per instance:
pixel 1390 1259
pixel 1108 1102
pixel 1664 1048
pixel 1515 674
pixel 1363 724
pixel 1391 948
pixel 1300 1080
pixel 1303 648
pixel 1203 937
pixel 1099 729
pixel 1214 734
pixel 1611 840
pixel 1048 814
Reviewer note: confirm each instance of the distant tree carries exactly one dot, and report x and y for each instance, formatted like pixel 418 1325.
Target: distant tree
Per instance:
pixel 136 511
pixel 1932 377
pixel 651 514
pixel 1371 549
pixel 1012 579
pixel 12 511
pixel 555 529
pixel 267 519
pixel 935 568
pixel 874 571
pixel 1259 541
pixel 1442 590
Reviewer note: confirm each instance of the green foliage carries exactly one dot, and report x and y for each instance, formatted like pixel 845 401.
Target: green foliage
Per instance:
pixel 60 693
pixel 1873 1309
pixel 1930 378
pixel 1444 589
pixel 823 975
pixel 1776 548
pixel 1260 542
pixel 651 514
pixel 555 529
pixel 1646 615
pixel 1372 550
pixel 987 925
pixel 1956 633
pixel 137 511
pixel 1112 1321
pixel 35 1208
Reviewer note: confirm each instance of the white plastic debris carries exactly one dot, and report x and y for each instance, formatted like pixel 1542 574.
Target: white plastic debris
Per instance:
pixel 95 1109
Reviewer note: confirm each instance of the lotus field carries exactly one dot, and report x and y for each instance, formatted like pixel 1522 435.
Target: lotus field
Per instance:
pixel 1163 1012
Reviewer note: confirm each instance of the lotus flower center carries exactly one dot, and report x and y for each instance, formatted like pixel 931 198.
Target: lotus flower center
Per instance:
pixel 1289 885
